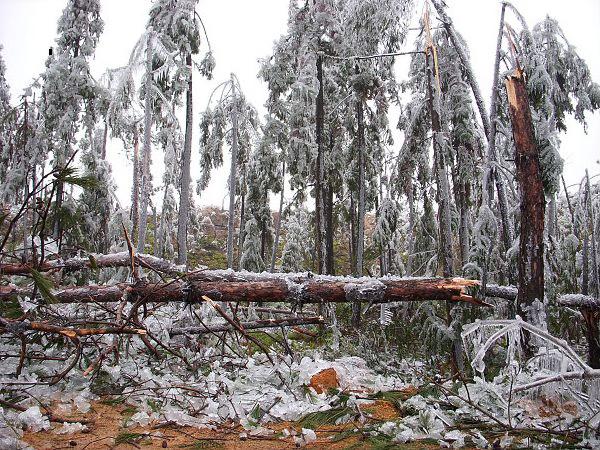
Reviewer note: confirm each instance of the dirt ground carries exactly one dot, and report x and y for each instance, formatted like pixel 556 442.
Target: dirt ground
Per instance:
pixel 107 430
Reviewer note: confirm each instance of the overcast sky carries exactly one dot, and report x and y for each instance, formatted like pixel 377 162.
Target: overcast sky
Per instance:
pixel 243 31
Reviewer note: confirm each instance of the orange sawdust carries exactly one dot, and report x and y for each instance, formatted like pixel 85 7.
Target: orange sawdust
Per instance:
pixel 381 410
pixel 324 380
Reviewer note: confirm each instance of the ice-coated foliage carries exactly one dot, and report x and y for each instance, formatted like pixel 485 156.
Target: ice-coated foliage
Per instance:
pixel 251 259
pixel 6 123
pixel 264 176
pixel 296 242
pixel 69 90
pixel 326 132
pixel 216 131
pixel 96 203
pixel 171 142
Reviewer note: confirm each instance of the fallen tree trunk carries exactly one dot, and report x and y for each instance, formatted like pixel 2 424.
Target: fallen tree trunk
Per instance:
pixel 229 286
pixel 254 325
pixel 96 261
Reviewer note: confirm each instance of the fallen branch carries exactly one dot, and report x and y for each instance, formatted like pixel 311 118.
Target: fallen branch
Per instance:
pixel 254 325
pixel 505 292
pixel 96 261
pixel 18 326
pixel 579 301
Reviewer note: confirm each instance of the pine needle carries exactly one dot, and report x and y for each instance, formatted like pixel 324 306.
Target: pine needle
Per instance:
pixel 44 285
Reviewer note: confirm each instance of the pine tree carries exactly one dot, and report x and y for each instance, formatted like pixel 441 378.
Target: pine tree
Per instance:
pixel 233 111
pixel 179 25
pixel 7 131
pixel 69 89
pixel 296 242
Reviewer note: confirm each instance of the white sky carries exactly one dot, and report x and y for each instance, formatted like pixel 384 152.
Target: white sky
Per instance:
pixel 242 31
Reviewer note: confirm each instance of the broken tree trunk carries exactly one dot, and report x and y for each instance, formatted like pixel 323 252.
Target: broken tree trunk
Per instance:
pixel 533 203
pixel 229 286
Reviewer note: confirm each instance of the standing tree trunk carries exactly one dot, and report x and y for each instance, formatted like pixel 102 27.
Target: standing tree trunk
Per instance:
pixel 278 226
pixel 319 172
pixel 328 213
pixel 104 218
pixel 533 203
pixel 232 177
pixel 145 172
pixel 445 253
pixel 489 125
pixel 411 228
pixel 492 174
pixel 360 238
pixel 443 186
pixel 329 231
pixel 57 231
pixel 352 232
pixel 242 233
pixel 465 223
pixel 184 198
pixel 135 190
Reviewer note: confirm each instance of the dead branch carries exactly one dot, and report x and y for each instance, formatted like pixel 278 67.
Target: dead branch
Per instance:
pixel 254 325
pixel 93 261
pixel 18 326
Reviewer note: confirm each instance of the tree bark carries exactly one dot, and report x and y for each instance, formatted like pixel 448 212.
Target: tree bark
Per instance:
pixel 184 197
pixel 232 178
pixel 531 244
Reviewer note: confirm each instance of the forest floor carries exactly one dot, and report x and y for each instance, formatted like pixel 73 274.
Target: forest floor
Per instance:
pixel 107 430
